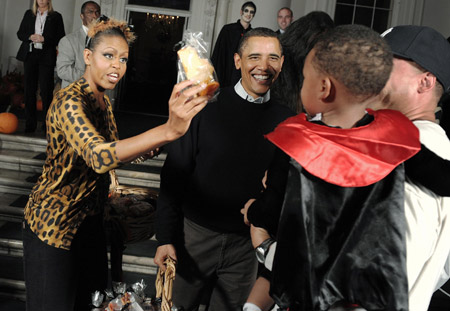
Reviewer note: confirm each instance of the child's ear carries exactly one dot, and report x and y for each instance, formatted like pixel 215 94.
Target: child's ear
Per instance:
pixel 427 82
pixel 327 91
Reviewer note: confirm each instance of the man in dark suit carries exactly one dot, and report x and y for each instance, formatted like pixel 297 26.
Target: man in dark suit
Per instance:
pixel 70 63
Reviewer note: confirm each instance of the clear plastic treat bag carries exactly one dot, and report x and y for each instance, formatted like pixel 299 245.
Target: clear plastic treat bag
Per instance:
pixel 194 64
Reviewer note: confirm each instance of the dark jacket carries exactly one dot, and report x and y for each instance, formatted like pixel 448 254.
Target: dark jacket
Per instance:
pixel 223 55
pixel 53 32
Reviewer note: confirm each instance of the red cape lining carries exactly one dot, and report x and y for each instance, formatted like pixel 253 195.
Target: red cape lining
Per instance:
pixel 349 157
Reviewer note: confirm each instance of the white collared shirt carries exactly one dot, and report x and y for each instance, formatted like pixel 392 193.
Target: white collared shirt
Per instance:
pixel 243 94
pixel 40 22
pixel 39 26
pixel 85 29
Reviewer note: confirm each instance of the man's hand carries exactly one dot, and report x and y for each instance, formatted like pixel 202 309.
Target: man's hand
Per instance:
pixel 249 202
pixel 162 252
pixel 245 209
pixel 258 235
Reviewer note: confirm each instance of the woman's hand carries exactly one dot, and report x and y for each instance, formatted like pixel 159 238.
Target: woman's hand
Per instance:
pixel 36 38
pixel 184 104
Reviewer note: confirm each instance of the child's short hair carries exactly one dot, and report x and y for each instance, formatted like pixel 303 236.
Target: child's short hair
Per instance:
pixel 356 56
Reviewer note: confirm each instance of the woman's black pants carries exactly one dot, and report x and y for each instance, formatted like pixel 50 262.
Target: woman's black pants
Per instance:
pixel 58 279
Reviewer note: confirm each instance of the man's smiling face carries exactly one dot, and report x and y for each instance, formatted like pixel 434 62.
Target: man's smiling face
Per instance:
pixel 260 64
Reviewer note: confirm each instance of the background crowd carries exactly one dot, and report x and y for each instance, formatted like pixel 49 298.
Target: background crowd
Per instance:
pixel 317 179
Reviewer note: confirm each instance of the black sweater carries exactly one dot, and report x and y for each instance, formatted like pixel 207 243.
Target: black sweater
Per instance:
pixel 212 171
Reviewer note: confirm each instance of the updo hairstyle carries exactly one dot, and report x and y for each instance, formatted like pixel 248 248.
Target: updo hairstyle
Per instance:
pixel 105 26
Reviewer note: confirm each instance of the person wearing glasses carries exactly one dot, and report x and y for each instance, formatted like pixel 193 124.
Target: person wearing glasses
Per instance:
pixel 227 44
pixel 70 63
pixel 65 258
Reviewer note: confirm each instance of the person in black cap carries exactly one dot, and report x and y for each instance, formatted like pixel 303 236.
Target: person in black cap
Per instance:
pixel 420 76
pixel 444 103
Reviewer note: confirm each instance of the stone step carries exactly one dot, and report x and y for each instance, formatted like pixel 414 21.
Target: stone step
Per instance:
pixel 14 289
pixel 21 142
pixel 38 145
pixel 131 263
pixel 12 284
pixel 11 206
pixel 145 174
pixel 11 277
pixel 15 182
pixel 20 160
pixel 137 262
pixel 23 174
pixel 137 257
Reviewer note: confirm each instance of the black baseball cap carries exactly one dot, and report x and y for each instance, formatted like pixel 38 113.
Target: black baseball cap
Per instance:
pixel 424 46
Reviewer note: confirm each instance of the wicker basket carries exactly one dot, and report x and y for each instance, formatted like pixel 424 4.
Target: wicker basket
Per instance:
pixel 164 285
pixel 133 208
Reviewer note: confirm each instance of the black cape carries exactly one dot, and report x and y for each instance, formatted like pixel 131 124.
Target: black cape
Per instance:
pixel 343 243
pixel 223 54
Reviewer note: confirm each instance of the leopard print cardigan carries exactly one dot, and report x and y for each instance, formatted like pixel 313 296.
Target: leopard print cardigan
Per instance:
pixel 81 140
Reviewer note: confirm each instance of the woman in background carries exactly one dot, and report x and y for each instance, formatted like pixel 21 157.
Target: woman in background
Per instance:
pixel 40 31
pixel 65 257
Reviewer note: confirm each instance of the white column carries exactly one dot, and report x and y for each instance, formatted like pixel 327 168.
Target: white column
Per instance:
pixel 407 12
pixel 66 9
pixel 12 14
pixel 108 7
pixel 221 18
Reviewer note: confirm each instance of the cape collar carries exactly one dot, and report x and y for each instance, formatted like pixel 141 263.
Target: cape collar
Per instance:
pixel 349 157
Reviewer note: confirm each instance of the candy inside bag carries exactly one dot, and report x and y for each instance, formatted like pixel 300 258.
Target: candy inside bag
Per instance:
pixel 119 287
pixel 139 287
pixel 109 294
pixel 115 305
pixel 194 65
pixel 97 298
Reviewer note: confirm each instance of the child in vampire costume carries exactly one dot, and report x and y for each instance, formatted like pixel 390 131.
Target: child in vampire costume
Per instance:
pixel 341 232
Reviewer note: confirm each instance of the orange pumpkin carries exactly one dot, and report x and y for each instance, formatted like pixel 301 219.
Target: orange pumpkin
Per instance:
pixel 8 123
